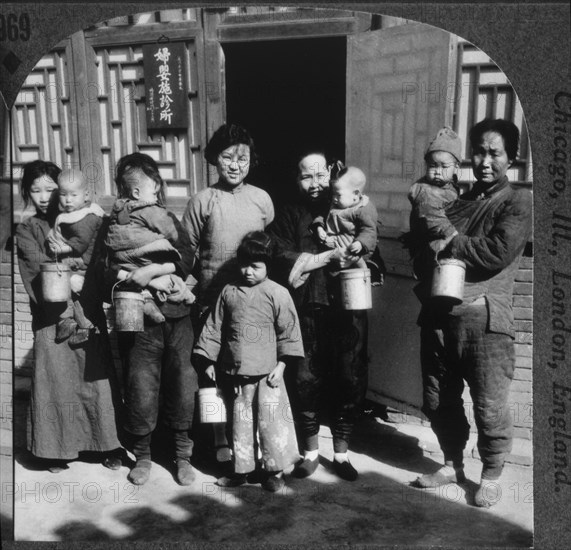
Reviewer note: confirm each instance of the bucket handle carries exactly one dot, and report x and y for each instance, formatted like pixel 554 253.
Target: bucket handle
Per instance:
pixel 59 270
pixel 113 292
pixel 436 258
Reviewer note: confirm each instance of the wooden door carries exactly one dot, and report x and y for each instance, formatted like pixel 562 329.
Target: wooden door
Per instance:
pixel 400 90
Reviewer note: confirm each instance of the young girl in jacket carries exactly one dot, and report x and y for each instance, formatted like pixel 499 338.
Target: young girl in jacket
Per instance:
pixel 251 333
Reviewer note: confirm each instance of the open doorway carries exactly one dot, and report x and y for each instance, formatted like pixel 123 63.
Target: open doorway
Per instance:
pixel 290 94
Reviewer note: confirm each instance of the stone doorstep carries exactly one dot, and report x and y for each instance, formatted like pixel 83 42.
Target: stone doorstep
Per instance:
pixel 522 450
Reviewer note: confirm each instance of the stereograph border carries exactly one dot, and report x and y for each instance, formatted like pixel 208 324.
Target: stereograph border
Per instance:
pixel 530 42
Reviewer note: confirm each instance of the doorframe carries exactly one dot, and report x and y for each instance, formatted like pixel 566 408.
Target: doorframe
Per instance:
pixel 220 27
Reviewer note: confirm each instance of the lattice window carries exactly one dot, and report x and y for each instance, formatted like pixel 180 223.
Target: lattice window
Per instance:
pixel 483 90
pixel 46 124
pixel 122 121
pixel 42 116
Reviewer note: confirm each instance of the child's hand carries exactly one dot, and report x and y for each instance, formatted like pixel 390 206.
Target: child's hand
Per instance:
pixel 276 375
pixel 321 233
pixel 343 241
pixel 211 373
pixel 346 257
pixel 162 283
pixel 438 245
pixel 355 247
pixel 330 242
pixel 179 292
pixel 56 245
pixel 141 276
pixel 76 283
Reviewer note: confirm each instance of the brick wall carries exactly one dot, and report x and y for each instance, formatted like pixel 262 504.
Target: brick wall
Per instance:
pixel 520 399
pixel 521 389
pixel 5 353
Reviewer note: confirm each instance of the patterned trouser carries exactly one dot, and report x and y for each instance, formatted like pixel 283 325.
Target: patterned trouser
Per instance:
pixel 462 349
pixel 260 410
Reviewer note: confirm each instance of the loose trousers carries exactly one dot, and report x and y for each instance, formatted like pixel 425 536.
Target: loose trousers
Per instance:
pixel 157 363
pixel 333 373
pixel 459 347
pixel 264 412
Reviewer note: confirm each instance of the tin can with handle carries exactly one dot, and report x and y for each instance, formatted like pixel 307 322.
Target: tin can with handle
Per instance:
pixel 448 280
pixel 212 408
pixel 355 289
pixel 55 282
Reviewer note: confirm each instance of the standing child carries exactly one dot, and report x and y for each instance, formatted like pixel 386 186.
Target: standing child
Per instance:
pixel 142 233
pixel 251 332
pixel 436 190
pixel 71 241
pixel 352 217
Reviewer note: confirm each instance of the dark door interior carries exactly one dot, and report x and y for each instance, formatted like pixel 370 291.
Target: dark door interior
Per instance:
pixel 290 94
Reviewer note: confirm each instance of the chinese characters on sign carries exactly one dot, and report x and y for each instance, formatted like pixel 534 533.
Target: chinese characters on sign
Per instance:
pixel 166 94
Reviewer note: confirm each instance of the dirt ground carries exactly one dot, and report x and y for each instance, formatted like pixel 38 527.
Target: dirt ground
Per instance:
pixel 88 502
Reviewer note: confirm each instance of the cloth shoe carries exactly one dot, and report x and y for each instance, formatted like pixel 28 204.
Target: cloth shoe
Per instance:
pixel 232 480
pixel 223 457
pixel 257 476
pixel 273 483
pixel 140 474
pixel 64 329
pixel 443 476
pixel 114 459
pixel 112 462
pixel 223 453
pixel 152 311
pixel 305 467
pixel 57 466
pixel 488 493
pixel 80 336
pixel 184 471
pixel 345 470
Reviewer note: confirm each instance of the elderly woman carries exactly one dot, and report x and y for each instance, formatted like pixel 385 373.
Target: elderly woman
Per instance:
pixel 72 402
pixel 474 341
pixel 216 220
pixel 335 340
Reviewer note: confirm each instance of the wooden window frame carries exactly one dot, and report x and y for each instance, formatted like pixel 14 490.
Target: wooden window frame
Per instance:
pixel 472 116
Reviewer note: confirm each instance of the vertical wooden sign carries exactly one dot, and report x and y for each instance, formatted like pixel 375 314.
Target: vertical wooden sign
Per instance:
pixel 166 95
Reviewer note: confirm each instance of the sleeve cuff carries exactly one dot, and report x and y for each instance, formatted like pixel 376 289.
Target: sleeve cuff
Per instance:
pixel 297 275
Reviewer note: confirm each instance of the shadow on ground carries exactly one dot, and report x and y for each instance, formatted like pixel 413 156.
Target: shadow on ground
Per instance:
pixel 374 511
pixel 379 508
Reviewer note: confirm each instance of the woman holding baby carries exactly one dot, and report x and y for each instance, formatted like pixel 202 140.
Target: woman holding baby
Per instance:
pixel 73 398
pixel 335 340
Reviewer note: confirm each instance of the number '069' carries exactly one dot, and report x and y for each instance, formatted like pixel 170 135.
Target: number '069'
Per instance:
pixel 14 27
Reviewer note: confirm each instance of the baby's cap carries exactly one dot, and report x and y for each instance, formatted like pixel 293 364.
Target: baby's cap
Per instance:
pixel 447 140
